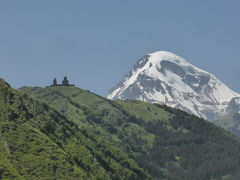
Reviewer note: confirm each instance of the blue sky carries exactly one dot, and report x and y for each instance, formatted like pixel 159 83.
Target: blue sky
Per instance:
pixel 96 42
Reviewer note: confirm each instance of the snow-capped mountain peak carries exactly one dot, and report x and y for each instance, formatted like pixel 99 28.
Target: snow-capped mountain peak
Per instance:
pixel 163 77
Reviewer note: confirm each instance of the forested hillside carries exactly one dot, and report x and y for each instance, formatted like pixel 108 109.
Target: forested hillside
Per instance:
pixel 37 142
pixel 70 133
pixel 165 142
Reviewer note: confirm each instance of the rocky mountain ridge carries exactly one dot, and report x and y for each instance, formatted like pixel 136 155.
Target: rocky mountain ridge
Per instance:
pixel 165 78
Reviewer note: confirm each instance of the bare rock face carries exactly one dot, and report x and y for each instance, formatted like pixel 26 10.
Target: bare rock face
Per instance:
pixel 234 105
pixel 163 77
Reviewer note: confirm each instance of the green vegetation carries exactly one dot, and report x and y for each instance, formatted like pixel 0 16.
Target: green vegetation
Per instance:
pixel 145 110
pixel 37 142
pixel 69 133
pixel 166 143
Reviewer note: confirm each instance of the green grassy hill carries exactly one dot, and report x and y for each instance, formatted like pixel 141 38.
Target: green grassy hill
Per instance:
pixel 38 142
pixel 70 133
pixel 155 141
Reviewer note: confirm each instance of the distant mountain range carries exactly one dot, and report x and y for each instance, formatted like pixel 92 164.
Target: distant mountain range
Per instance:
pixel 230 122
pixel 165 78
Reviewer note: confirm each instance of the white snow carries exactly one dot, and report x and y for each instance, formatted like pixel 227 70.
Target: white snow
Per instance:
pixel 215 91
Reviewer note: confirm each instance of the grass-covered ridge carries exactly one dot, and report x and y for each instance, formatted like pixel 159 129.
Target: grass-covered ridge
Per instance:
pixel 165 142
pixel 38 142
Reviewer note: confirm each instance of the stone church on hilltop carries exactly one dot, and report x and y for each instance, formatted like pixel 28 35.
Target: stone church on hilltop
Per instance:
pixel 65 82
